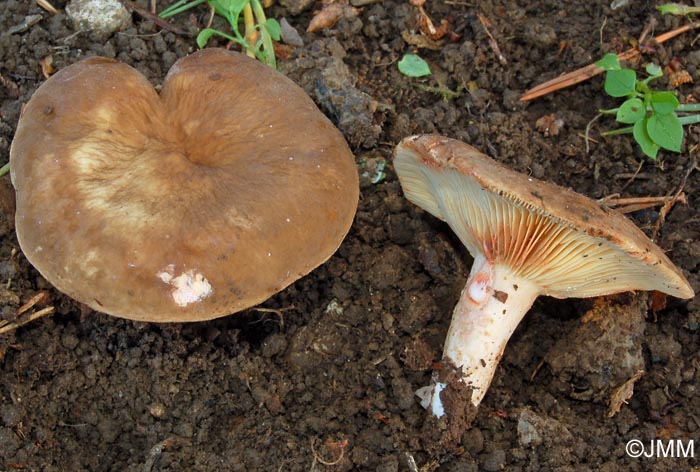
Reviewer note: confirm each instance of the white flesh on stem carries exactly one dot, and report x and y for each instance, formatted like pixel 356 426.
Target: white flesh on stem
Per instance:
pixel 490 307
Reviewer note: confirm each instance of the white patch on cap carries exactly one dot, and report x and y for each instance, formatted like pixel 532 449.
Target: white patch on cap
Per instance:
pixel 90 263
pixel 167 274
pixel 189 287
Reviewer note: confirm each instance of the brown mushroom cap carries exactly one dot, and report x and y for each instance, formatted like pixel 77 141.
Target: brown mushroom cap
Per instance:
pixel 187 206
pixel 562 241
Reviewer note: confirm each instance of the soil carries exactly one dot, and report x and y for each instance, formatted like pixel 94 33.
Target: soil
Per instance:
pixel 327 381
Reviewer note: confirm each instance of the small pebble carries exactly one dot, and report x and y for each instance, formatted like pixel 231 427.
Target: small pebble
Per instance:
pixel 103 17
pixel 157 410
pixel 289 34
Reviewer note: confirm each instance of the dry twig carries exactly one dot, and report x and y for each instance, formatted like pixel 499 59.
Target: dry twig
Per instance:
pixel 631 204
pixel 591 70
pixel 485 23
pixel 27 23
pixel 676 197
pixel 634 176
pixel 6 327
pixel 40 297
pixel 277 311
pixel 47 6
pixel 161 23
pixel 333 445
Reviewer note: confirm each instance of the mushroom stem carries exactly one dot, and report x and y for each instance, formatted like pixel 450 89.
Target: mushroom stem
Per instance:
pixel 490 307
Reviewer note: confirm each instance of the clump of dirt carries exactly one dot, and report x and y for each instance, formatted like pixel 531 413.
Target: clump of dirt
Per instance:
pixel 325 379
pixel 604 351
pixel 441 434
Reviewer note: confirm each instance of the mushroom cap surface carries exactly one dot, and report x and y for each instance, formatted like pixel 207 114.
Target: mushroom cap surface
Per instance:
pixel 561 240
pixel 189 205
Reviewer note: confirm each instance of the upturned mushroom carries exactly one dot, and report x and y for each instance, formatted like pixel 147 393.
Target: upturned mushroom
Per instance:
pixel 186 205
pixel 528 238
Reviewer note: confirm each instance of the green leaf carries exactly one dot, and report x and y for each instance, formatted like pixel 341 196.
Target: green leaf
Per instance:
pixel 673 9
pixel 609 62
pixel 664 102
pixel 620 83
pixel 654 71
pixel 222 7
pixel 413 66
pixel 631 111
pixel 649 147
pixel 231 10
pixel 273 28
pixel 666 131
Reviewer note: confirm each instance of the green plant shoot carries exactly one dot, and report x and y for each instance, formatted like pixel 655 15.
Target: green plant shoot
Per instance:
pixel 677 9
pixel 653 115
pixel 259 31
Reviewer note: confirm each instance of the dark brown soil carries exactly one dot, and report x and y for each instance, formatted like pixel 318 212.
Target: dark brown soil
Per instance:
pixel 331 380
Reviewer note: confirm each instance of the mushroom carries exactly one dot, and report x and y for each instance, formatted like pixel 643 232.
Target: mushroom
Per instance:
pixel 528 238
pixel 189 205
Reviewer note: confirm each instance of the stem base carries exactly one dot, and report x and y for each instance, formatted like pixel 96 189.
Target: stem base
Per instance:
pixel 490 307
